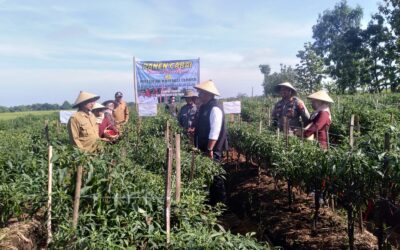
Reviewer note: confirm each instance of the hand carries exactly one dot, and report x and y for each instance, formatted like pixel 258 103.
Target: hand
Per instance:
pixel 297 132
pixel 210 154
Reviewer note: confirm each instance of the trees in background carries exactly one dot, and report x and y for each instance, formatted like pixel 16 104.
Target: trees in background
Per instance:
pixel 349 57
pixel 286 74
pixel 36 107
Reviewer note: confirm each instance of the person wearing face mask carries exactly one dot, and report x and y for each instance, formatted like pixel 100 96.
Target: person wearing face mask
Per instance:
pixel 110 126
pixel 291 107
pixel 107 131
pixel 82 128
pixel 320 119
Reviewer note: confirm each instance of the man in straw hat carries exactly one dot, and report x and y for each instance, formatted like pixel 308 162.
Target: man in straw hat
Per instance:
pixel 211 134
pixel 82 128
pixel 290 107
pixel 121 111
pixel 188 112
pixel 320 118
pixel 210 131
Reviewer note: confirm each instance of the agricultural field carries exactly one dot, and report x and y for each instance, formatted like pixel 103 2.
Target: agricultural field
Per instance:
pixel 122 196
pixel 13 115
pixel 277 184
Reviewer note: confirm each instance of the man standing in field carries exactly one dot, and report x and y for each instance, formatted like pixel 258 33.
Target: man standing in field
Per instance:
pixel 187 114
pixel 290 107
pixel 82 128
pixel 211 134
pixel 210 131
pixel 121 111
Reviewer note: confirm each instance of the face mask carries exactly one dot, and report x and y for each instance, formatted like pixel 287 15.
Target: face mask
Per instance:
pixel 99 119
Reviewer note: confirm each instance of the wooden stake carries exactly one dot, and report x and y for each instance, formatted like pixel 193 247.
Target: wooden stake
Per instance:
pixel 168 194
pixel 286 130
pixel 167 134
pixel 192 166
pixel 260 127
pixel 77 197
pixel 49 193
pixel 269 117
pixel 351 134
pixel 46 131
pixel 178 167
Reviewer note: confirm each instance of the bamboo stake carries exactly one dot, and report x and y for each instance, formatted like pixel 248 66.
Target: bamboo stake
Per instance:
pixel 286 130
pixel 167 134
pixel 49 193
pixel 77 197
pixel 168 194
pixel 260 127
pixel 351 134
pixel 269 117
pixel 178 167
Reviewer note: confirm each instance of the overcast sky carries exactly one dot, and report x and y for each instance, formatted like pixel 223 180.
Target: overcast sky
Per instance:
pixel 50 50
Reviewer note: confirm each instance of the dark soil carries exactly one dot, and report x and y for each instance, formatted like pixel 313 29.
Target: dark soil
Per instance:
pixel 260 205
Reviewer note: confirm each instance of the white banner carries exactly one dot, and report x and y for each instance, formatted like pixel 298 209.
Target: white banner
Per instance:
pixel 65 115
pixel 147 109
pixel 232 107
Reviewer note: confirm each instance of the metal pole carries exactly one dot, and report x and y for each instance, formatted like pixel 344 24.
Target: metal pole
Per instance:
pixel 134 85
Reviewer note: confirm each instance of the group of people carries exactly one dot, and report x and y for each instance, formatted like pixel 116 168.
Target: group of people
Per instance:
pixel 291 114
pixel 95 122
pixel 203 119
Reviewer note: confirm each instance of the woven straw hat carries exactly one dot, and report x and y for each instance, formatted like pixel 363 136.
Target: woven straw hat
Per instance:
pixel 286 85
pixel 105 103
pixel 84 97
pixel 208 86
pixel 98 106
pixel 189 93
pixel 321 96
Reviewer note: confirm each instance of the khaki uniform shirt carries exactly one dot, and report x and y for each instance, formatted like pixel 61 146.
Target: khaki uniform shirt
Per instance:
pixel 83 131
pixel 121 113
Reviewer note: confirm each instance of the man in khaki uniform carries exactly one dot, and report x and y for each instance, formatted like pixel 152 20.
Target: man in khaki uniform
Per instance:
pixel 82 128
pixel 121 112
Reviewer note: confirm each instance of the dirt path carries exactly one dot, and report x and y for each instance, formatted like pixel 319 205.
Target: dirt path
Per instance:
pixel 259 207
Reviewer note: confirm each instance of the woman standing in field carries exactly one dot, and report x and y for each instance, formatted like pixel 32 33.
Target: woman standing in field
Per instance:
pixel 82 128
pixel 320 118
pixel 107 131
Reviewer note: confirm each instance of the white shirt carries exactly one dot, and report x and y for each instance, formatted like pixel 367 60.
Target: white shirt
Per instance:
pixel 215 123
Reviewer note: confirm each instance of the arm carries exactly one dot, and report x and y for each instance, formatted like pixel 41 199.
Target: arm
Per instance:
pixel 126 113
pixel 320 121
pixel 216 117
pixel 304 114
pixel 274 116
pixel 73 128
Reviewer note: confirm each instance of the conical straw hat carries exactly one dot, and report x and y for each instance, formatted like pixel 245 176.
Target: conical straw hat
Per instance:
pixel 321 96
pixel 286 85
pixel 208 86
pixel 189 93
pixel 98 106
pixel 85 96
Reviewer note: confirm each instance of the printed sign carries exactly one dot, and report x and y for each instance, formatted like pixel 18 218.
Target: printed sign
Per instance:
pixel 160 79
pixel 232 107
pixel 65 115
pixel 147 109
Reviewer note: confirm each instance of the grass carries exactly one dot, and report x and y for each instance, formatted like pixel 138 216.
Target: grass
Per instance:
pixel 14 115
